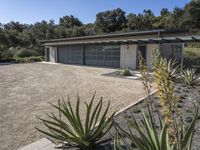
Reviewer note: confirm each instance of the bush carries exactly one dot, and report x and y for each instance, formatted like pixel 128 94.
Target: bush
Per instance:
pixel 34 59
pixel 29 59
pixel 20 60
pixel 189 76
pixel 25 53
pixel 72 130
pixel 6 56
pixel 125 72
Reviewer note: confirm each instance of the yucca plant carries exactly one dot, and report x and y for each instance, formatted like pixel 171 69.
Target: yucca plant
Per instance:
pixel 189 76
pixel 149 138
pixel 173 68
pixel 125 72
pixel 147 134
pixel 72 130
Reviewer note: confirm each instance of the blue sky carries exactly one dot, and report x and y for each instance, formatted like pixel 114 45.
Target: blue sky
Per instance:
pixel 30 11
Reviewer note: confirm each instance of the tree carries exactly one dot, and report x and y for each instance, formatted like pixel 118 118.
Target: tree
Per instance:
pixel 164 12
pixel 132 21
pixel 144 21
pixel 148 19
pixel 165 20
pixel 191 17
pixel 111 21
pixel 89 29
pixel 70 22
pixel 15 26
pixel 177 17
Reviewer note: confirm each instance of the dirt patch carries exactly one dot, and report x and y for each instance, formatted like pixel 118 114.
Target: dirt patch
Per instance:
pixel 26 89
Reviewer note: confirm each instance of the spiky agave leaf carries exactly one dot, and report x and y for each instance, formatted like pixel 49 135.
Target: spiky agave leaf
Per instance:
pixel 188 136
pixel 149 138
pixel 74 131
pixel 146 140
pixel 173 68
pixel 189 76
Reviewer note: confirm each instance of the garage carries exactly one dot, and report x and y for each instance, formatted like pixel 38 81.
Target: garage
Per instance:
pixel 117 49
pixel 70 54
pixel 102 55
pixel 96 55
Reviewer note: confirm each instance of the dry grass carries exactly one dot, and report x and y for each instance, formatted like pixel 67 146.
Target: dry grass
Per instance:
pixel 192 57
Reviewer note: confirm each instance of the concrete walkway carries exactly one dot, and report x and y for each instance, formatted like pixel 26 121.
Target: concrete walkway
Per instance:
pixel 43 144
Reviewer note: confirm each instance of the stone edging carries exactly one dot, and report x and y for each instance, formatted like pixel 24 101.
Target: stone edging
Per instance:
pixel 134 103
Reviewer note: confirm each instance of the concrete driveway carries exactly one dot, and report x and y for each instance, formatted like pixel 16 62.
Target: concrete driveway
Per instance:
pixel 26 89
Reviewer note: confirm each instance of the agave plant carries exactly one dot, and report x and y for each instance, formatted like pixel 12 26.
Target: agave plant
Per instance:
pixel 188 75
pixel 125 72
pixel 149 138
pixel 173 68
pixel 72 130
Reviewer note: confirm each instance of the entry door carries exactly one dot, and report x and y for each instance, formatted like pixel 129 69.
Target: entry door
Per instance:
pixel 142 49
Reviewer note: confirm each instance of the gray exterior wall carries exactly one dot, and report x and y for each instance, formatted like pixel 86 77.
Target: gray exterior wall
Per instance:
pixel 150 48
pixel 173 50
pixel 128 55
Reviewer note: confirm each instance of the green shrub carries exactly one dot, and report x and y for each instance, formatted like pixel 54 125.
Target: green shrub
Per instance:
pixel 29 59
pixel 1 55
pixel 72 130
pixel 25 53
pixel 125 72
pixel 189 77
pixel 20 60
pixel 6 55
pixel 34 59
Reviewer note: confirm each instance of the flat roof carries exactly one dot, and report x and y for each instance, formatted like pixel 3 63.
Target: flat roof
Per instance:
pixel 179 39
pixel 151 36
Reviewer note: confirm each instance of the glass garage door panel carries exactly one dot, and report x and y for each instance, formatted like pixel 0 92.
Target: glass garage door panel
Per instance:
pixel 102 55
pixel 70 54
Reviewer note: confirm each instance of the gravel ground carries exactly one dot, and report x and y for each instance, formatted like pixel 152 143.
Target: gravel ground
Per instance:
pixel 26 89
pixel 187 95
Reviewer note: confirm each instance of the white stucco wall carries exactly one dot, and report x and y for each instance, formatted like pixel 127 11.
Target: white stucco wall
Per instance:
pixel 52 54
pixel 128 56
pixel 150 48
pixel 55 54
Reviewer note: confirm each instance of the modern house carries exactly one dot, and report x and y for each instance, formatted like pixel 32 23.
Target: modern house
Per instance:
pixel 118 50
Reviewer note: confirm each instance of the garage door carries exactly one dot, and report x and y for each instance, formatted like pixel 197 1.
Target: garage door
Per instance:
pixel 102 55
pixel 70 54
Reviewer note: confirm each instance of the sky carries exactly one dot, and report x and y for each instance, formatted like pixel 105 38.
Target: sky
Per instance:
pixel 31 11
